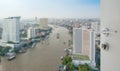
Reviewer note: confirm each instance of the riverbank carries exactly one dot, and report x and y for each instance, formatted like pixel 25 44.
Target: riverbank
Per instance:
pixel 43 57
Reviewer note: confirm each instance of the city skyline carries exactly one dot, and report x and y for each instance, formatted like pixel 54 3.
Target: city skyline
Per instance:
pixel 50 8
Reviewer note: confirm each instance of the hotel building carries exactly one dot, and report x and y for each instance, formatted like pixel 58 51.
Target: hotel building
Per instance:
pixel 11 31
pixel 84 43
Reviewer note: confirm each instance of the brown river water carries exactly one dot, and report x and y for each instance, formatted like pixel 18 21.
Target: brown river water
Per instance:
pixel 44 57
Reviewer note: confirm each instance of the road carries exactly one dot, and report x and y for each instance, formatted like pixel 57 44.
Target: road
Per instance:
pixel 44 57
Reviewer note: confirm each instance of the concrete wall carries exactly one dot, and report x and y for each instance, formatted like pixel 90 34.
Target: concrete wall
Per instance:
pixel 110 18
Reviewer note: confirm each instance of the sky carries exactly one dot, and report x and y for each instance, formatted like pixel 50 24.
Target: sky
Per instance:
pixel 50 8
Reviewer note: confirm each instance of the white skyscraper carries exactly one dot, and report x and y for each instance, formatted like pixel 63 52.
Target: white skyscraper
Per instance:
pixel 84 43
pixel 11 30
pixel 110 21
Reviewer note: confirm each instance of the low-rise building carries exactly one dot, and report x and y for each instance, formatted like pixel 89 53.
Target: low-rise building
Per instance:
pixel 31 32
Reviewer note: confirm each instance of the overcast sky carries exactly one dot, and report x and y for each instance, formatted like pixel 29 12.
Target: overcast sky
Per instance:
pixel 50 8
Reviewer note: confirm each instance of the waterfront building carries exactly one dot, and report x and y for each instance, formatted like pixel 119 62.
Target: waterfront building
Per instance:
pixel 31 32
pixel 84 43
pixel 11 29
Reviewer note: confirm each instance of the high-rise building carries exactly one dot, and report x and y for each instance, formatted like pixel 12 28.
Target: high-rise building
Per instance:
pixel 84 43
pixel 77 40
pixel 31 33
pixel 110 35
pixel 43 23
pixel 11 31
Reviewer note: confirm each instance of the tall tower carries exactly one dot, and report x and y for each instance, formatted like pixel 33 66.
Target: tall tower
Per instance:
pixel 110 37
pixel 43 23
pixel 84 43
pixel 11 29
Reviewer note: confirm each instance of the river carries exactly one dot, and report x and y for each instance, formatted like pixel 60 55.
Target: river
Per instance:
pixel 44 57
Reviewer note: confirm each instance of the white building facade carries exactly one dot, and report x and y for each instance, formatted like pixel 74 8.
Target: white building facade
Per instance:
pixel 84 43
pixel 31 32
pixel 11 31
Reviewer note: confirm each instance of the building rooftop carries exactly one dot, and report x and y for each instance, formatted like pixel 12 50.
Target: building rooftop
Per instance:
pixel 80 57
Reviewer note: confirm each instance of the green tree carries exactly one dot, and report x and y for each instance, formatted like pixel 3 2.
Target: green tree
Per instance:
pixel 10 42
pixel 70 66
pixel 66 60
pixel 4 50
pixel 84 67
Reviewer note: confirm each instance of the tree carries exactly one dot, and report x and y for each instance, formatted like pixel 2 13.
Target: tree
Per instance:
pixel 4 50
pixel 30 43
pixel 84 67
pixel 70 66
pixel 10 42
pixel 66 60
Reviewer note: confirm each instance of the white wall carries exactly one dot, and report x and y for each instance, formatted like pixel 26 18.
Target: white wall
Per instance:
pixel 110 18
